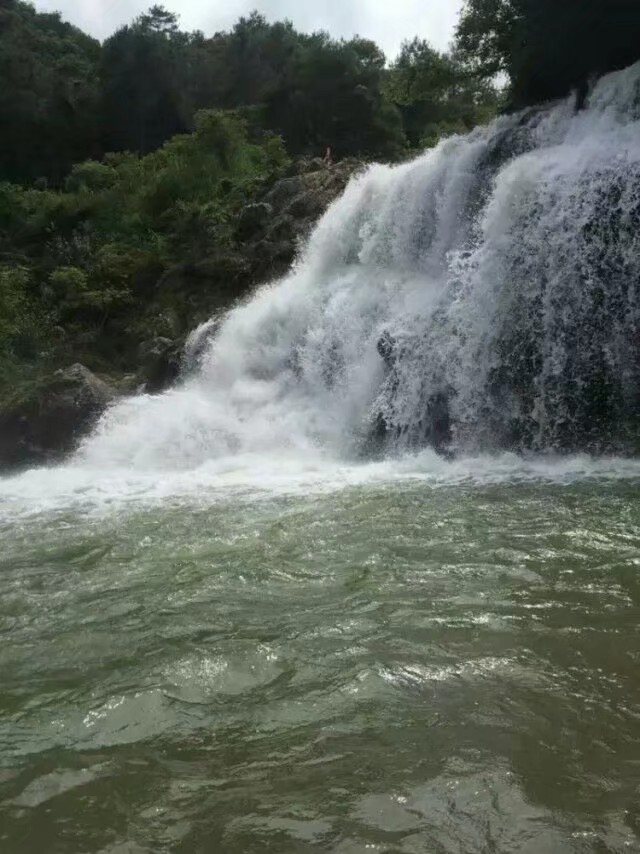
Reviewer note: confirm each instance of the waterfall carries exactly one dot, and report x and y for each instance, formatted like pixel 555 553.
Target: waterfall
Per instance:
pixel 484 296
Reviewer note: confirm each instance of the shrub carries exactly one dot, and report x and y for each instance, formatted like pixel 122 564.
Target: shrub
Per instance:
pixel 90 176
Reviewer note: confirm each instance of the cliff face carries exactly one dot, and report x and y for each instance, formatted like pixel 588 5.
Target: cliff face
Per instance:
pixel 43 420
pixel 267 236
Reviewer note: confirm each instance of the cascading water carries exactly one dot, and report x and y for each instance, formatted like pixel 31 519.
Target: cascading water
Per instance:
pixel 484 296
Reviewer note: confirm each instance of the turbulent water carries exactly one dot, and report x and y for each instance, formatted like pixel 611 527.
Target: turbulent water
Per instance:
pixel 311 599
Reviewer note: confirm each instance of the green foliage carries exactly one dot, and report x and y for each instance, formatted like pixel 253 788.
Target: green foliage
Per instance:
pixel 68 99
pixel 144 87
pixel 13 285
pixel 219 133
pixel 311 90
pixel 158 20
pixel 79 266
pixel 332 95
pixel 49 96
pixel 20 324
pixel 69 282
pixel 435 95
pixel 75 299
pixel 90 176
pixel 548 48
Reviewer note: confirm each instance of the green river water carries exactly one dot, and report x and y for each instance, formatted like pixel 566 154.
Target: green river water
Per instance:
pixel 372 665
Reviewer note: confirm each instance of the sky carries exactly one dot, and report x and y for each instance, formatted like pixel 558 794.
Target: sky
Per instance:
pixel 387 22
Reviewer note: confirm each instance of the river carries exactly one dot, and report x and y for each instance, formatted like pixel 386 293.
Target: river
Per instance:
pixel 402 657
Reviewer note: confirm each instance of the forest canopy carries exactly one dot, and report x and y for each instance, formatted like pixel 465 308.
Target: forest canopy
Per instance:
pixel 66 97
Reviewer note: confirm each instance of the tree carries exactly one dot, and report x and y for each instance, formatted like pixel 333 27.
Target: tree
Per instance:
pixel 332 95
pixel 548 48
pixel 159 20
pixel 142 76
pixel 48 97
pixel 435 94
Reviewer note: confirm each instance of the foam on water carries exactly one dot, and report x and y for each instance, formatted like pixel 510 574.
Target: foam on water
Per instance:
pixel 252 477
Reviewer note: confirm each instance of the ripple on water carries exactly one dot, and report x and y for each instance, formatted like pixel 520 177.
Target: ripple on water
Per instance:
pixel 383 668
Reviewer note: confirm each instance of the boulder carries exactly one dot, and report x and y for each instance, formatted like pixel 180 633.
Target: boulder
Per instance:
pixel 160 360
pixel 253 219
pixel 45 421
pixel 297 202
pixel 318 184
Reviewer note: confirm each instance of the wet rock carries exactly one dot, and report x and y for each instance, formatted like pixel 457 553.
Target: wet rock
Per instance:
pixel 193 291
pixel 301 199
pixel 159 364
pixel 433 429
pixel 253 219
pixel 273 257
pixel 438 422
pixel 387 349
pixel 45 421
pixel 284 228
pixel 307 205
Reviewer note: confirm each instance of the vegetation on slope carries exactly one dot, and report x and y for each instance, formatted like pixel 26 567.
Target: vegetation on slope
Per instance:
pixel 79 266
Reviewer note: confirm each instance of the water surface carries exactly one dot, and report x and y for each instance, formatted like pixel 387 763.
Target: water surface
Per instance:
pixel 368 662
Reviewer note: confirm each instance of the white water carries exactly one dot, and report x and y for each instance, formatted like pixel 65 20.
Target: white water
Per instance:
pixel 504 266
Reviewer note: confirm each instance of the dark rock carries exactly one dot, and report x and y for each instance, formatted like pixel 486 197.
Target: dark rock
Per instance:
pixel 253 219
pixel 44 422
pixel 307 195
pixel 438 422
pixel 307 205
pixel 159 364
pixel 387 348
pixel 222 270
pixel 283 228
pixel 126 385
pixel 194 291
pixel 273 256
pixel 313 165
pixel 296 203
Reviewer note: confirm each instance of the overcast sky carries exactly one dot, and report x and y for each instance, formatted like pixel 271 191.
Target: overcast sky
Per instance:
pixel 387 22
